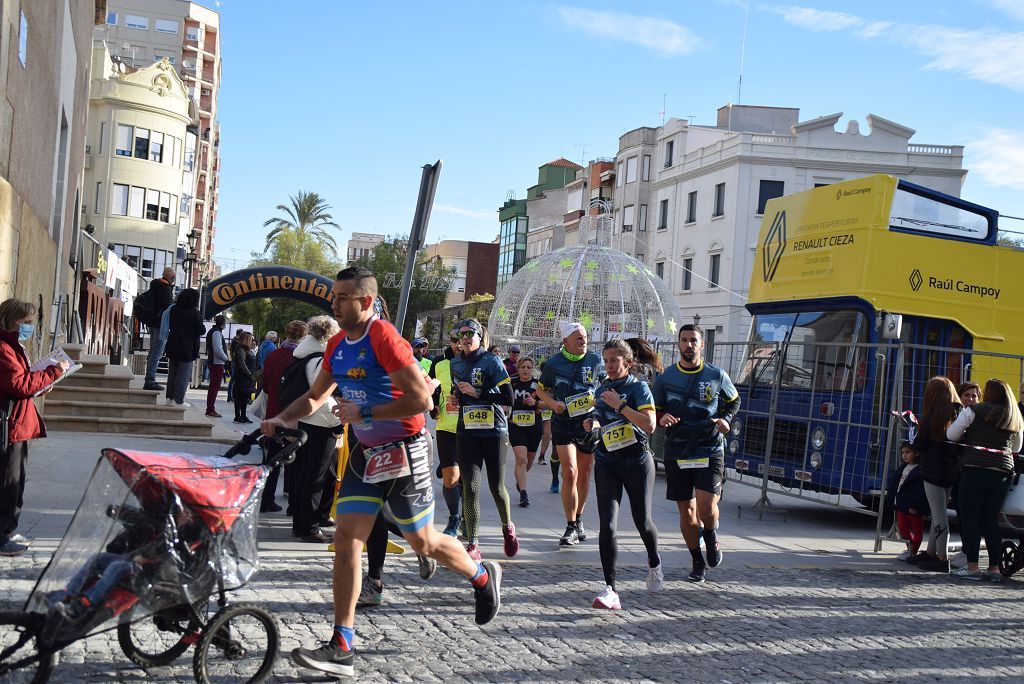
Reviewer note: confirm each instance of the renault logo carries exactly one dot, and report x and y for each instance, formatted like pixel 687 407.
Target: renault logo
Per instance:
pixel 774 246
pixel 916 280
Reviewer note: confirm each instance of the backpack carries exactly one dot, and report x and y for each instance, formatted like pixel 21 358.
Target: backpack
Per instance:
pixel 293 380
pixel 144 309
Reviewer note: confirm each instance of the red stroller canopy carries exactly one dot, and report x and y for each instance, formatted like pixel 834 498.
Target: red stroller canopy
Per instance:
pixel 215 488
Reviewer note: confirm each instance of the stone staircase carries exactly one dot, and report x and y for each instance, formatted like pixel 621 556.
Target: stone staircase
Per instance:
pixel 106 398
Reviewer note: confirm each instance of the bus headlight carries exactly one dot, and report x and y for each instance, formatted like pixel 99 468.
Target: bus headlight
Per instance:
pixel 734 446
pixel 815 460
pixel 818 438
pixel 736 428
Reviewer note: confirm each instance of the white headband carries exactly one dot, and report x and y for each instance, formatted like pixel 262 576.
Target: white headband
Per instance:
pixel 567 328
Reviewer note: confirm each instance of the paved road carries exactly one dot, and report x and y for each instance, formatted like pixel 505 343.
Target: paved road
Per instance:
pixel 801 598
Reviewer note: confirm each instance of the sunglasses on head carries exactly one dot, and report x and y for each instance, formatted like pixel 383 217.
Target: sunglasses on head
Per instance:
pixel 467 334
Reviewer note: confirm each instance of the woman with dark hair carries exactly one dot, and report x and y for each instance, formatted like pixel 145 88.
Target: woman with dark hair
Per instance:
pixel 21 421
pixel 969 393
pixel 244 367
pixel 938 466
pixel 992 432
pixel 185 328
pixel 624 414
pixel 482 390
pixel 525 427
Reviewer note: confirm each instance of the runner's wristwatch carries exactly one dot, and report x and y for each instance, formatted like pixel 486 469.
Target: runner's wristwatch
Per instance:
pixel 367 414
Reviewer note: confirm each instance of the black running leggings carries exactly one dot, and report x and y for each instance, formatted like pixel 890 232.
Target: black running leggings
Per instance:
pixel 377 545
pixel 475 453
pixel 638 481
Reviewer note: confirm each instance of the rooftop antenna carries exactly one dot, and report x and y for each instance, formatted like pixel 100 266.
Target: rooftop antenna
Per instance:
pixel 664 101
pixel 583 154
pixel 743 51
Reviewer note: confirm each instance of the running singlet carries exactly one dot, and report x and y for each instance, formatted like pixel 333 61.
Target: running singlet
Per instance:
pixel 619 437
pixel 486 373
pixel 572 382
pixel 524 416
pixel 442 370
pixel 696 397
pixel 361 369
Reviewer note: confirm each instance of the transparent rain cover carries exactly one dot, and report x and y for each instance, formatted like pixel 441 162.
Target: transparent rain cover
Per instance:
pixel 154 531
pixel 612 294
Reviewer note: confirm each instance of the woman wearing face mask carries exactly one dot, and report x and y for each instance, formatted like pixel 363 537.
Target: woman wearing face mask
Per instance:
pixel 21 419
pixel 481 389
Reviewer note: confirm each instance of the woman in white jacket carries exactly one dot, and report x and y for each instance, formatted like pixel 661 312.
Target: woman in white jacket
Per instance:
pixel 311 505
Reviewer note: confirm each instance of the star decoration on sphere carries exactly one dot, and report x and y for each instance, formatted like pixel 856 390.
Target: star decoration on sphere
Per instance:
pixel 650 323
pixel 592 265
pixel 632 269
pixel 549 315
pixel 566 263
pixel 532 265
pixel 586 319
pixel 671 326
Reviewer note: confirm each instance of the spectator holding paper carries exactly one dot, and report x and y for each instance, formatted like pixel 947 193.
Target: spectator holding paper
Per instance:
pixel 20 419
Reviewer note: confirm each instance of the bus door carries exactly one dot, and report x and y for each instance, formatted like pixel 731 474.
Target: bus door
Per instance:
pixel 928 357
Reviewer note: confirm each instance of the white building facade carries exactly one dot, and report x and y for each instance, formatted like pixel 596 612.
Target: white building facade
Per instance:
pixel 689 199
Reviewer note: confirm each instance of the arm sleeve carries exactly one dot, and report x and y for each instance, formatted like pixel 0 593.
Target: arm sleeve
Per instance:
pixel 393 351
pixel 728 399
pixel 658 394
pixel 956 431
pixel 17 382
pixel 644 398
pixel 218 347
pixel 504 396
pixel 1018 442
pixel 547 379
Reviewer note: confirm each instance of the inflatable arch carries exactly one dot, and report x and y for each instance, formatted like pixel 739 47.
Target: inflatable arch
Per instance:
pixel 267 282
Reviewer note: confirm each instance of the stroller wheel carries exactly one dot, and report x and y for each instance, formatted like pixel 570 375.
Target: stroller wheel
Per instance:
pixel 1010 558
pixel 159 639
pixel 242 642
pixel 21 659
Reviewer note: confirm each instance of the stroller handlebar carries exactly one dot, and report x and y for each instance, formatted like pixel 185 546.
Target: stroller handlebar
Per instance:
pixel 289 440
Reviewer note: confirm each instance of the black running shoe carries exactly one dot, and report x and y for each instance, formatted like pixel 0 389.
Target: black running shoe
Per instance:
pixel 330 658
pixel 570 537
pixel 488 597
pixel 697 574
pixel 580 532
pixel 715 555
pixel 524 498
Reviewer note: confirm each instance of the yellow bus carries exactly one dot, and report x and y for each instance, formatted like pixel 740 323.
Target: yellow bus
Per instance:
pixel 861 291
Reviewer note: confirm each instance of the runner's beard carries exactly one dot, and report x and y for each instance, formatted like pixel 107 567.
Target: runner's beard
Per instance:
pixel 688 355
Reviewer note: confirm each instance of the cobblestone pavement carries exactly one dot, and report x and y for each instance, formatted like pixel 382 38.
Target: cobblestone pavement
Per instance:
pixel 745 624
pixel 798 598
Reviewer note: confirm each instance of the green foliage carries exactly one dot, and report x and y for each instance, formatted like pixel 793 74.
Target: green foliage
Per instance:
pixel 306 217
pixel 389 257
pixel 299 250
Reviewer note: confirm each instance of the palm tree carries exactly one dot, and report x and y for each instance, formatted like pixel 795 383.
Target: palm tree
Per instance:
pixel 306 217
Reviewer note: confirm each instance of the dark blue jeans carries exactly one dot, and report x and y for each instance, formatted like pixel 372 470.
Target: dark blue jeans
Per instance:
pixel 111 567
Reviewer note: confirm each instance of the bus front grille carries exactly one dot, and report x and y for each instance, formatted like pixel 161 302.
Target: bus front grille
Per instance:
pixel 788 444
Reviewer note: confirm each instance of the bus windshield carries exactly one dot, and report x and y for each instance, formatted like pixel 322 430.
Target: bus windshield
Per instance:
pixel 815 350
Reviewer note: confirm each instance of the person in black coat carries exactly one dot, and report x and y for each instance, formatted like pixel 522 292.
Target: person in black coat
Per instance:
pixel 163 297
pixel 243 369
pixel 185 329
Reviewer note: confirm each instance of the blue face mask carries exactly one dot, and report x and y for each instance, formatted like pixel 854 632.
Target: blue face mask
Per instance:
pixel 25 331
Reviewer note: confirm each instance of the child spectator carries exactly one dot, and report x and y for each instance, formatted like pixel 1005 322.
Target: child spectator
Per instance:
pixel 909 501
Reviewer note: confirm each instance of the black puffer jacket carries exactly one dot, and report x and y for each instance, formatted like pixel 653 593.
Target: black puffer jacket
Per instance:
pixel 938 462
pixel 186 327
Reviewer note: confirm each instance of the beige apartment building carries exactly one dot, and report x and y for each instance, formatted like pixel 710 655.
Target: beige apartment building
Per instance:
pixel 362 245
pixel 140 163
pixel 187 35
pixel 44 100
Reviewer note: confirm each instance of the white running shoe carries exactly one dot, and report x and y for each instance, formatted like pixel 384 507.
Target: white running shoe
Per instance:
pixel 655 579
pixel 905 555
pixel 608 600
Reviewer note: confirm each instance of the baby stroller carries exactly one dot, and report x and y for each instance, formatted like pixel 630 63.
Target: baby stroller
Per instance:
pixel 155 538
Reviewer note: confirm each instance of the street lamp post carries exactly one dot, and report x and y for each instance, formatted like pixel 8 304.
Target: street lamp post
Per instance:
pixel 696 320
pixel 191 257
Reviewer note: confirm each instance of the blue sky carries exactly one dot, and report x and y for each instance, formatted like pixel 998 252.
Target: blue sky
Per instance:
pixel 351 99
